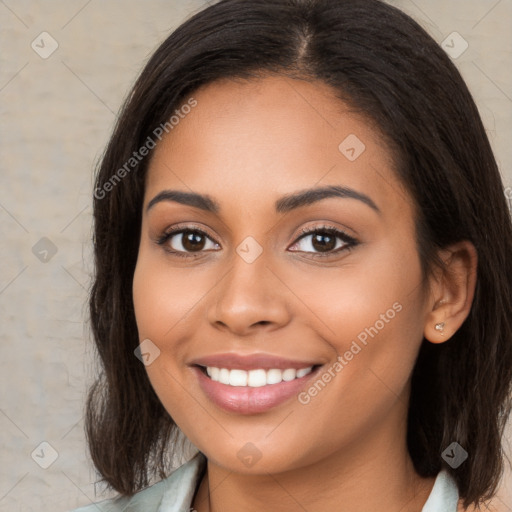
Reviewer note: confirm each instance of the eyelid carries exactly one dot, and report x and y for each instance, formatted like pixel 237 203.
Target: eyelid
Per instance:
pixel 325 228
pixel 349 242
pixel 180 228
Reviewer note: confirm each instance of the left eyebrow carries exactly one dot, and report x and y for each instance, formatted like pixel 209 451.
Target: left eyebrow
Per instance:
pixel 312 195
pixel 283 205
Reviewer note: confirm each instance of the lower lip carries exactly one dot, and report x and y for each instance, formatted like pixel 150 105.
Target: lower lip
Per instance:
pixel 249 400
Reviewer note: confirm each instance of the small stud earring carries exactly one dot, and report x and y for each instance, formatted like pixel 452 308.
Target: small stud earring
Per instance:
pixel 440 327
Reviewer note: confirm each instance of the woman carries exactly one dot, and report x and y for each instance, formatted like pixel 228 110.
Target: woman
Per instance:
pixel 302 252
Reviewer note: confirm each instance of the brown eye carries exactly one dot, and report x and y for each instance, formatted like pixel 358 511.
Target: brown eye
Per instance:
pixel 188 241
pixel 323 241
pixel 192 241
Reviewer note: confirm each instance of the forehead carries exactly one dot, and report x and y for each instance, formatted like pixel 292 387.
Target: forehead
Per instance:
pixel 249 142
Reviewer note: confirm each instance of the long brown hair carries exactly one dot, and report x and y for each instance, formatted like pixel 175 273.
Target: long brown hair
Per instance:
pixel 388 68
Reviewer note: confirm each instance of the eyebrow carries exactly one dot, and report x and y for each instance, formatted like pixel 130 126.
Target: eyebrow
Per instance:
pixel 283 205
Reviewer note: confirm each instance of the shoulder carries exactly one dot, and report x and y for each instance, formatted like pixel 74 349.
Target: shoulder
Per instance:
pixel 172 493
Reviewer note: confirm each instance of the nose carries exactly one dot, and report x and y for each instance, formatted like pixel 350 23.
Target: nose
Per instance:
pixel 249 299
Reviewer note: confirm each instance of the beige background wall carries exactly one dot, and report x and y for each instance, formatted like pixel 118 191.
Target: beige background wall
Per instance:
pixel 56 116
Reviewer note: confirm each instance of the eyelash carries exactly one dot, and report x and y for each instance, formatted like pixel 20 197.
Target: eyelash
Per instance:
pixel 181 229
pixel 349 241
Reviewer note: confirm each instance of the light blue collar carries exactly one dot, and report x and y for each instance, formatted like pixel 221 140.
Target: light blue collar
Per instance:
pixel 180 492
pixel 444 496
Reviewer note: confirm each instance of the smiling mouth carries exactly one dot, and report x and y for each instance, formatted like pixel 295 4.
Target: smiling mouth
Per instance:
pixel 254 389
pixel 254 378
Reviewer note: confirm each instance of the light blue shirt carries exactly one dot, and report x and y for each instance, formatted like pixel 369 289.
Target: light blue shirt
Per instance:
pixel 176 493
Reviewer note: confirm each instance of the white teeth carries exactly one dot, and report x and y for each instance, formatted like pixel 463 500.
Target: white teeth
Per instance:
pixel 237 378
pixel 224 376
pixel 289 374
pixel 255 378
pixel 274 376
pixel 302 372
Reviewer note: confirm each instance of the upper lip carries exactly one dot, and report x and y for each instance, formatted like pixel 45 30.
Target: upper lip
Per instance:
pixel 250 362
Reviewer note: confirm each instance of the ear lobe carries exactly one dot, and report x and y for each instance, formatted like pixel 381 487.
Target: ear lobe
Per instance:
pixel 453 290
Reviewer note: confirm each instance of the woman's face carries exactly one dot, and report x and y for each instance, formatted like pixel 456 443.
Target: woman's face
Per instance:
pixel 303 297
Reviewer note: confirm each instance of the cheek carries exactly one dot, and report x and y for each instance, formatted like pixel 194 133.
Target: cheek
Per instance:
pixel 352 296
pixel 164 295
pixel 168 301
pixel 372 320
pixel 371 316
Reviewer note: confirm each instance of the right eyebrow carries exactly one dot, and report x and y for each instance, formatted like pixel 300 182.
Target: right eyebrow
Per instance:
pixel 200 201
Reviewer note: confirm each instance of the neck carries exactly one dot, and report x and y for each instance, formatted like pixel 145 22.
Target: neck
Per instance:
pixel 373 473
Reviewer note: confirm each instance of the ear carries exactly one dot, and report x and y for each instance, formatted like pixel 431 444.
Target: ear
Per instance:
pixel 452 292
